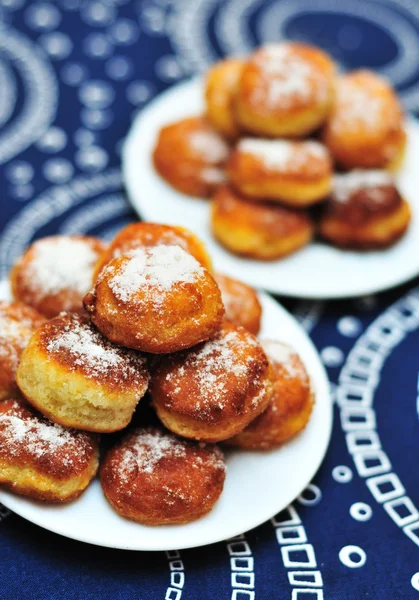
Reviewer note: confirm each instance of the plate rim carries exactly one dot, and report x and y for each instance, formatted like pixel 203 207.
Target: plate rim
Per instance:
pixel 17 503
pixel 138 206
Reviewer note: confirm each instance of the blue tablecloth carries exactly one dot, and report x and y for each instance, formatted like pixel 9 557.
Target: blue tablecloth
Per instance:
pixel 73 74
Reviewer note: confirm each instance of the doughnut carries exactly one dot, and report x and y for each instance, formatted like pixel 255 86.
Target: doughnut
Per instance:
pixel 365 211
pixel 156 478
pixel 213 391
pixel 290 408
pixel 220 88
pixel 142 235
pixel 241 303
pixel 55 273
pixel 17 324
pixel 285 89
pixel 365 128
pixel 295 173
pixel 42 460
pixel 77 378
pixel 157 299
pixel 190 155
pixel 259 230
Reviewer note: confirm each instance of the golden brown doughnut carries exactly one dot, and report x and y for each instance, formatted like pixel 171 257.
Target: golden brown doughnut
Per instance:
pixel 156 478
pixel 296 173
pixel 55 273
pixel 290 408
pixel 365 211
pixel 260 230
pixel 77 378
pixel 17 324
pixel 143 235
pixel 220 89
pixel 366 126
pixel 42 460
pixel 285 89
pixel 213 391
pixel 157 299
pixel 190 155
pixel 241 303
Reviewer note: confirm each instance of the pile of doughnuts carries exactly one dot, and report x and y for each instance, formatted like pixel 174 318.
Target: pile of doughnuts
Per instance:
pixel 96 330
pixel 282 134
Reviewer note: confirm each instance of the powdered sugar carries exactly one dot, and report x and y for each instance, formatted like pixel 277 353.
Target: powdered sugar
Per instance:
pixel 90 350
pixel 283 155
pixel 22 431
pixel 284 355
pixel 357 106
pixel 155 271
pixel 288 77
pixel 146 448
pixel 213 176
pixel 61 263
pixel 374 181
pixel 209 145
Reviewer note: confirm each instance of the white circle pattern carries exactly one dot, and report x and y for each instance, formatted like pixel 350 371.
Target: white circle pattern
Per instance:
pixel 352 557
pixel 360 511
pixel 311 496
pixel 342 474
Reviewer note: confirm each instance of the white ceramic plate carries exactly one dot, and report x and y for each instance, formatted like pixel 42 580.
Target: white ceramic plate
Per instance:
pixel 258 485
pixel 317 271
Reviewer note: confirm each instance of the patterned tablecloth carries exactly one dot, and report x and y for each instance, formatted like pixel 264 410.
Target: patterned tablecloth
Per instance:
pixel 73 74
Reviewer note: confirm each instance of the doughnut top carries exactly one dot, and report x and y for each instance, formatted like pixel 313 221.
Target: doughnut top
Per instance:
pixel 285 156
pixel 209 146
pixel 364 103
pixel 150 451
pixel 155 271
pixel 72 341
pixel 29 437
pixel 290 75
pixel 271 217
pixel 359 195
pixel 214 379
pixel 284 359
pixel 17 323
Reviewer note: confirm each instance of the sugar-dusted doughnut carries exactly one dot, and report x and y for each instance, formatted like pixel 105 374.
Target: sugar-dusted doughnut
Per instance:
pixel 285 89
pixel 241 303
pixel 290 407
pixel 296 173
pixel 156 478
pixel 366 126
pixel 77 378
pixel 17 324
pixel 220 89
pixel 260 230
pixel 365 211
pixel 143 235
pixel 43 460
pixel 157 299
pixel 214 390
pixel 190 155
pixel 56 272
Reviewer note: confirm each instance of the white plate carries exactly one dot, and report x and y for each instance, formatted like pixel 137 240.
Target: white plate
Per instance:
pixel 317 271
pixel 258 484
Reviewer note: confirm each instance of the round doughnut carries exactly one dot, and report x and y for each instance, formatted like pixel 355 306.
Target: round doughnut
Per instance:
pixel 17 324
pixel 365 211
pixel 156 478
pixel 213 391
pixel 295 173
pixel 290 408
pixel 285 90
pixel 190 155
pixel 260 230
pixel 157 299
pixel 55 273
pixel 77 378
pixel 241 303
pixel 365 128
pixel 42 460
pixel 220 89
pixel 143 235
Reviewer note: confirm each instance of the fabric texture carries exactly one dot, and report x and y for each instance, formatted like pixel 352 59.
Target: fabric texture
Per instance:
pixel 73 75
